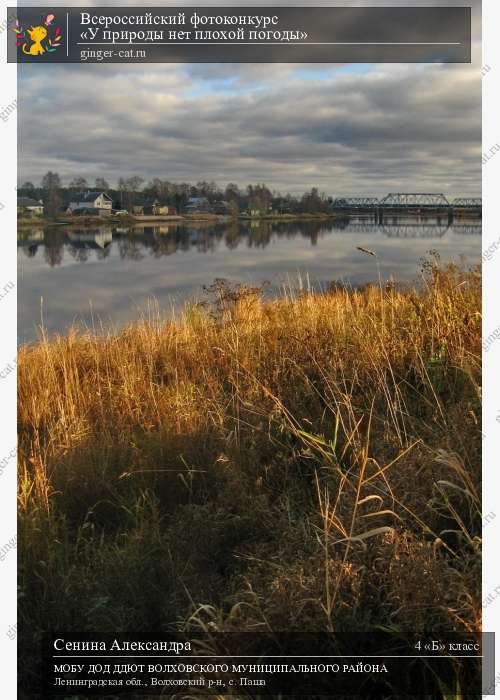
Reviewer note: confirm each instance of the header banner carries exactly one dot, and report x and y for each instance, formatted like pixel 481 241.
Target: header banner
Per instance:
pixel 239 35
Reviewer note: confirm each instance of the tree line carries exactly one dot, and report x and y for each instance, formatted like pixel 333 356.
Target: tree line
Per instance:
pixel 128 191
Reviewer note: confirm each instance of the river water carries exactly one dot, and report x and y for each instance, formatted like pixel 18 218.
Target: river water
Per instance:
pixel 107 276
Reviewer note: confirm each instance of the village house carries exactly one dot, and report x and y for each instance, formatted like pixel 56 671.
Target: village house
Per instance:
pixel 256 211
pixel 91 203
pixel 167 210
pixel 29 207
pixel 153 207
pixel 197 205
pixel 144 207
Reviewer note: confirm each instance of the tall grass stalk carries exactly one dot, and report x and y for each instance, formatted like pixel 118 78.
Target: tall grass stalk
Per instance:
pixel 307 463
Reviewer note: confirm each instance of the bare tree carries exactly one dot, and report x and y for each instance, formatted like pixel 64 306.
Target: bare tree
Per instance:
pixel 101 184
pixel 79 184
pixel 51 183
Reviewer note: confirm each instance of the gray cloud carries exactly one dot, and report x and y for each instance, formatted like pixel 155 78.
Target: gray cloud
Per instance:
pixel 410 127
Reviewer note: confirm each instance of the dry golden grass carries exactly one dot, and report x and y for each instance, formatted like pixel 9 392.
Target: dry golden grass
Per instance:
pixel 308 463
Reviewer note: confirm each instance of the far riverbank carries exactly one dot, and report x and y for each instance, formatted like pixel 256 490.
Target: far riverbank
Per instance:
pixel 82 221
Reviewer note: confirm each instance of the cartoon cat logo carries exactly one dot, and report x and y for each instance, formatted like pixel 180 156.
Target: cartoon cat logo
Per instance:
pixel 36 41
pixel 37 35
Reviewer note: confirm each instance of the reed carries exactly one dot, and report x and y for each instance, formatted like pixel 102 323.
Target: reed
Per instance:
pixel 307 463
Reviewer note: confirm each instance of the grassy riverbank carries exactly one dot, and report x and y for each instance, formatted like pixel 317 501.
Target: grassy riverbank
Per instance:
pixel 129 220
pixel 310 463
pixel 68 220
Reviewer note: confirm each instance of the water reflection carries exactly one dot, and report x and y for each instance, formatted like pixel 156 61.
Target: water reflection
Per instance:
pixel 117 269
pixel 134 243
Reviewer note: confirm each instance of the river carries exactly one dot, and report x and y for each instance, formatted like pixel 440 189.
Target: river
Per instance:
pixel 106 276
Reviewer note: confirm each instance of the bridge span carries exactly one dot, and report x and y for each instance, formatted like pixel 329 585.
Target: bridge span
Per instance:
pixel 423 204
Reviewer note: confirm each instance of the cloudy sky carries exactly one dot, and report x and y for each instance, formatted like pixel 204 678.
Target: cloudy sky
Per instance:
pixel 347 129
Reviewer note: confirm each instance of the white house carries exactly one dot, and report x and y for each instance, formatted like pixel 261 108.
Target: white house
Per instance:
pixel 31 206
pixel 97 203
pixel 90 239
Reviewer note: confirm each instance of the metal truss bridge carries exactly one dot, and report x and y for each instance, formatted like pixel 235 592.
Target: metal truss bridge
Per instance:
pixel 414 202
pixel 404 200
pixel 355 203
pixel 469 202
